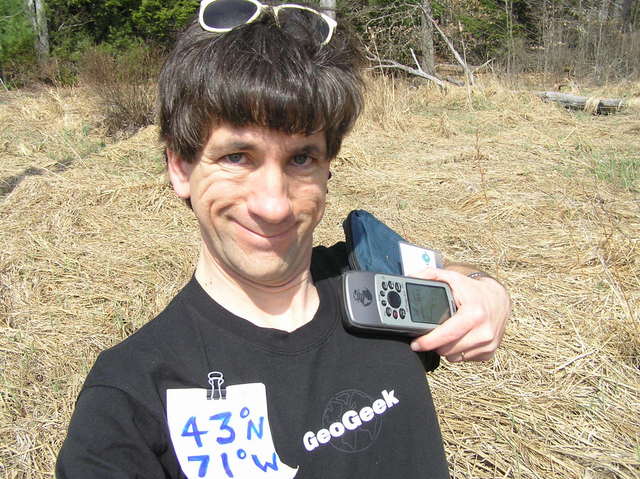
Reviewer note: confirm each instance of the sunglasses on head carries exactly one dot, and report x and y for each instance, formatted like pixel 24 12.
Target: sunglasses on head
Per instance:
pixel 222 16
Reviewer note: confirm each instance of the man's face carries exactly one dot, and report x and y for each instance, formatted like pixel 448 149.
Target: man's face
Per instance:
pixel 258 195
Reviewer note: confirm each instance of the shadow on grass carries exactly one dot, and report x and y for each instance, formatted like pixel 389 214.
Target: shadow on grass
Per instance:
pixel 10 183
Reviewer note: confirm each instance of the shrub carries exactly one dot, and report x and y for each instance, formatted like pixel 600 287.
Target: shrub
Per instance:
pixel 124 83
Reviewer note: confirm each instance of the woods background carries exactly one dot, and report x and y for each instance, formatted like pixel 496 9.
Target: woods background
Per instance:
pixel 594 39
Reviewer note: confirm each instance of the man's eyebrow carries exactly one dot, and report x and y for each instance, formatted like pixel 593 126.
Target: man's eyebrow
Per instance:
pixel 234 145
pixel 311 148
pixel 239 145
pixel 227 147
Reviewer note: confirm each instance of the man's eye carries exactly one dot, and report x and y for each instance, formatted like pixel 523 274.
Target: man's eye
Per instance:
pixel 301 160
pixel 234 159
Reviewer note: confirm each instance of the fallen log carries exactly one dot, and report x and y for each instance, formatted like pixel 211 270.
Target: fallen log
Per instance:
pixel 589 104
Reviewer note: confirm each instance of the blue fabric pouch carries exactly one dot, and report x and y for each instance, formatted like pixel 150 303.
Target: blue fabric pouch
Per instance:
pixel 373 246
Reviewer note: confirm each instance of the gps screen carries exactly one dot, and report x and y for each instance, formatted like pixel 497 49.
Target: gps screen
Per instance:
pixel 427 304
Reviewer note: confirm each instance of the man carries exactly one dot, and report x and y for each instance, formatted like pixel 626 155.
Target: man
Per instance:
pixel 248 372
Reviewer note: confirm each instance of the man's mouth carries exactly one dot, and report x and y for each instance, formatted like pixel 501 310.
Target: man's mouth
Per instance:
pixel 274 235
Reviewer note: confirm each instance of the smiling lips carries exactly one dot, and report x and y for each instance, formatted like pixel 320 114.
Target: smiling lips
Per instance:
pixel 269 237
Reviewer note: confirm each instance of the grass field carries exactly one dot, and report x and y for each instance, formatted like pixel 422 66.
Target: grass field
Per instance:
pixel 94 244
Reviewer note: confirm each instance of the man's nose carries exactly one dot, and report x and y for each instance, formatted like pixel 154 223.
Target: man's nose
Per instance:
pixel 269 196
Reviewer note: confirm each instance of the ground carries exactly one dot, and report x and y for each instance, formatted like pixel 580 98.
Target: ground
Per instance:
pixel 93 243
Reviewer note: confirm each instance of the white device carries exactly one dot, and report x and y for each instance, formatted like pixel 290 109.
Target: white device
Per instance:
pixel 415 258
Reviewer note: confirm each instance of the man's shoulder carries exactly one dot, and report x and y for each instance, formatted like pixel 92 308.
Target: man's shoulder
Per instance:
pixel 164 341
pixel 329 261
pixel 161 328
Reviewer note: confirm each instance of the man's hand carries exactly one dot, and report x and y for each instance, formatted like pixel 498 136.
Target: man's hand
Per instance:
pixel 474 332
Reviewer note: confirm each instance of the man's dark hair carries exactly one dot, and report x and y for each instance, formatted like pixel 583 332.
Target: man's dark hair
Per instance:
pixel 278 77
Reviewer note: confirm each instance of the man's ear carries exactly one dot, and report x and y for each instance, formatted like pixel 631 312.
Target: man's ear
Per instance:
pixel 179 172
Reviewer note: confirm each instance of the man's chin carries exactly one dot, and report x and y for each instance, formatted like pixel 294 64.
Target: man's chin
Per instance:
pixel 271 268
pixel 269 273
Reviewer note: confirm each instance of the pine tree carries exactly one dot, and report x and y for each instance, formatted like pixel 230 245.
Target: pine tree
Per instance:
pixel 16 36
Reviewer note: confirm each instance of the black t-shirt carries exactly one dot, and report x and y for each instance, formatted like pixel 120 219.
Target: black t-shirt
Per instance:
pixel 337 405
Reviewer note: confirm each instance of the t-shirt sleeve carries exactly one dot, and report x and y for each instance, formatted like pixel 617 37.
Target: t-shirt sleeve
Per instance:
pixel 429 359
pixel 111 436
pixel 329 262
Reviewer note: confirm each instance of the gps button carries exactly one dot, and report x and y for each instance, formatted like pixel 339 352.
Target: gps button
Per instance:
pixel 394 299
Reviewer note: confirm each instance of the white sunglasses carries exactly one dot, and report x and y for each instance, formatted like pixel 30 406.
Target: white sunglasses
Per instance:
pixel 222 16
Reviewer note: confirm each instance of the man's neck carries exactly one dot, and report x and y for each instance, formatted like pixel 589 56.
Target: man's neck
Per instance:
pixel 286 306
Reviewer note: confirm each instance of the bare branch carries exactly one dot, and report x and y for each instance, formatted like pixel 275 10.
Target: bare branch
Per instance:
pixel 64 26
pixel 480 67
pixel 8 17
pixel 413 54
pixel 462 63
pixel 455 81
pixel 384 64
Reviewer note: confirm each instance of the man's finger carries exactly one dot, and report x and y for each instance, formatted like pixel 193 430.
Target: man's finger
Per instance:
pixel 472 355
pixel 437 274
pixel 449 332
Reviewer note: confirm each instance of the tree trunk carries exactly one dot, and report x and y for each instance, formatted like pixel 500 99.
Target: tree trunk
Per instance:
pixel 625 15
pixel 36 12
pixel 604 10
pixel 328 7
pixel 428 62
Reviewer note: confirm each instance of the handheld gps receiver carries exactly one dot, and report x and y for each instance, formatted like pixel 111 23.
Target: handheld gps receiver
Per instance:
pixel 394 304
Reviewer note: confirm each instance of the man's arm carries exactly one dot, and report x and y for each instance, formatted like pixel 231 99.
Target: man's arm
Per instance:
pixel 475 331
pixel 483 307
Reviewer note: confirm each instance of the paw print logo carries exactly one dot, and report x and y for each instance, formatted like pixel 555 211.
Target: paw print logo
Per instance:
pixel 364 296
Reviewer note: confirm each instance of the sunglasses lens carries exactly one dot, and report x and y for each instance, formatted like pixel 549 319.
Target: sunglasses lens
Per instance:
pixel 228 14
pixel 301 21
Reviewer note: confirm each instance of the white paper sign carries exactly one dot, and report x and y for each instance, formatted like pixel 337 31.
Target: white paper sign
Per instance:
pixel 415 259
pixel 222 438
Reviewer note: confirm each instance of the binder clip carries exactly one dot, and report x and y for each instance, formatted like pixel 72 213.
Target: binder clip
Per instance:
pixel 217 391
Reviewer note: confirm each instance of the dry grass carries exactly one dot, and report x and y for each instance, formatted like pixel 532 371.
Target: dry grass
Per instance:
pixel 91 252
